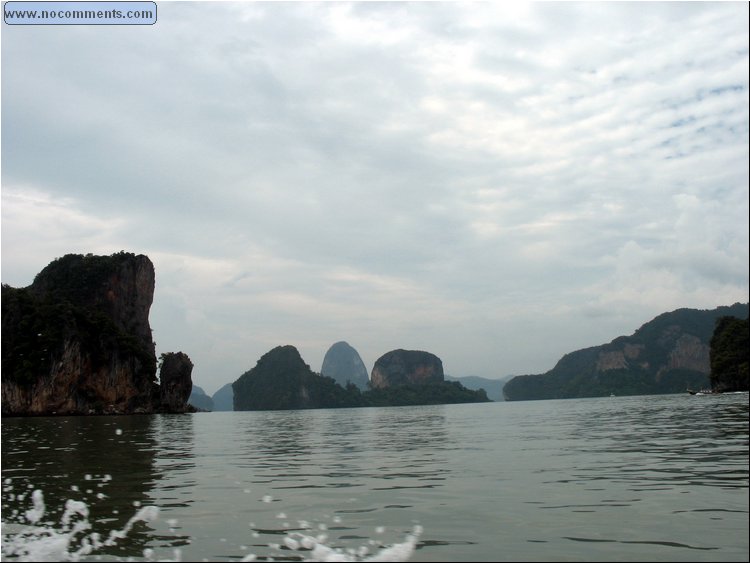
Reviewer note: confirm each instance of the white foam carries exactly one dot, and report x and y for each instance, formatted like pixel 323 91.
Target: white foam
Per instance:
pixel 28 541
pixel 35 514
pixel 74 540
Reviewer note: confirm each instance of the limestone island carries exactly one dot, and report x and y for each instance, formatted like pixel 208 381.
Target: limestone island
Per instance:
pixel 282 380
pixel 77 341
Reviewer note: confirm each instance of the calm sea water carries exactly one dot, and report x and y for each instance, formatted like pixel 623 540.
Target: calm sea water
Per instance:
pixel 653 478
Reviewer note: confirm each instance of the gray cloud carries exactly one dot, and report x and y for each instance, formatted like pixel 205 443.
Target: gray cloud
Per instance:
pixel 498 184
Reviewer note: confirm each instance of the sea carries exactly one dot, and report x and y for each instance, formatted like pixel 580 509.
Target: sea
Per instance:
pixel 646 478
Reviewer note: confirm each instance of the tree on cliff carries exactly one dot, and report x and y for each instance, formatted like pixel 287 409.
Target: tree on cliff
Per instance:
pixel 730 354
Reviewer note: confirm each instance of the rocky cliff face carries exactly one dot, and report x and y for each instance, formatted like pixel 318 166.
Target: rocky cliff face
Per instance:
pixel 666 355
pixel 120 286
pixel 344 365
pixel 402 367
pixel 78 340
pixel 175 381
pixel 80 381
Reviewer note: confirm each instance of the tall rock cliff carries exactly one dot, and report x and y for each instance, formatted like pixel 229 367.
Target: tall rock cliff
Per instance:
pixel 175 381
pixel 404 367
pixel 120 287
pixel 78 339
pixel 666 355
pixel 344 365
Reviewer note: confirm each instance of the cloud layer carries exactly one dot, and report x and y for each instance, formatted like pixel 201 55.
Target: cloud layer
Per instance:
pixel 497 185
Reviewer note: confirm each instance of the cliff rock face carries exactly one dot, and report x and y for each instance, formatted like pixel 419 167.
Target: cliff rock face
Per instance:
pixel 344 365
pixel 666 355
pixel 78 340
pixel 175 381
pixel 402 367
pixel 120 286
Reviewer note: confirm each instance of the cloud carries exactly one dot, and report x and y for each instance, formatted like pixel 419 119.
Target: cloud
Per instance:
pixel 36 226
pixel 480 180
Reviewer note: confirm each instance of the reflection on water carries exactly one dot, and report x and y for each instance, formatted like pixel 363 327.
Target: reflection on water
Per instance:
pixel 667 441
pixel 348 449
pixel 107 462
pixel 421 432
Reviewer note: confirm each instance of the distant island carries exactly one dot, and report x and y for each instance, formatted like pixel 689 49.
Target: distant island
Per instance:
pixel 282 380
pixel 200 400
pixel 343 363
pixel 493 387
pixel 223 399
pixel 670 354
pixel 78 341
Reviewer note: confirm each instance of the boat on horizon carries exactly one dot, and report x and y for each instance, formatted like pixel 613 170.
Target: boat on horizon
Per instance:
pixel 704 392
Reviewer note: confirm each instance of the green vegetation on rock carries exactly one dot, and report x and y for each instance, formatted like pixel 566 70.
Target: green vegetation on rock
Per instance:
pixel 730 354
pixel 669 354
pixel 438 393
pixel 36 329
pixel 281 380
pixel 78 341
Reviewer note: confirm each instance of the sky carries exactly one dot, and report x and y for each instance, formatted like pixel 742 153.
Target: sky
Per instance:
pixel 496 183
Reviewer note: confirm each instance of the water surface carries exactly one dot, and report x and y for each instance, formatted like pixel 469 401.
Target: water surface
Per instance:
pixel 652 478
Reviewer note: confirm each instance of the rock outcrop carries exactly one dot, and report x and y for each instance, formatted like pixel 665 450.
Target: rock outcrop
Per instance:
pixel 730 355
pixel 666 355
pixel 343 363
pixel 406 367
pixel 175 381
pixel 78 339
pixel 120 286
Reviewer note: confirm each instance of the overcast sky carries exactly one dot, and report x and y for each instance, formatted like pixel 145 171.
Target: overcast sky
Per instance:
pixel 496 183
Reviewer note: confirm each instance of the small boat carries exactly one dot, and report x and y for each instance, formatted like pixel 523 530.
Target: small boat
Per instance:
pixel 704 392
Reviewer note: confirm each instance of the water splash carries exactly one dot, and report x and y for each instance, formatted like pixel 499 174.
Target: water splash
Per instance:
pixel 69 541
pixel 29 538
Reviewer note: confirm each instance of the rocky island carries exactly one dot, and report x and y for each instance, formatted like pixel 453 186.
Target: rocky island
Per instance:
pixel 344 364
pixel 669 354
pixel 406 367
pixel 282 380
pixel 78 341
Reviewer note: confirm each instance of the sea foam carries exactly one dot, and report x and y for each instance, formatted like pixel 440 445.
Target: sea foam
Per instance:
pixel 27 537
